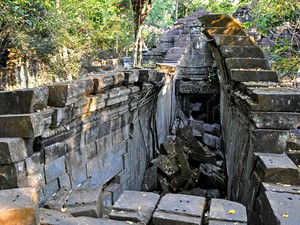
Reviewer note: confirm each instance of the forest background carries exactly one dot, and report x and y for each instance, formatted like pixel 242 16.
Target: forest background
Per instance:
pixel 52 39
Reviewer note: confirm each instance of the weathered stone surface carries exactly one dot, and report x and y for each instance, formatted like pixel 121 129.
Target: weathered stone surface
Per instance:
pixel 224 210
pixel 242 75
pixel 150 179
pixel 62 94
pixel 115 189
pixel 14 175
pixel 210 31
pixel 280 188
pixel 12 150
pixel 280 208
pixel 220 20
pixel 55 151
pixel 241 52
pixel 147 75
pixel 232 40
pixel 33 163
pixel 277 168
pixel 179 209
pixel 50 188
pixel 24 101
pixel 98 101
pixel 23 125
pixel 247 63
pixel 168 166
pixel 79 202
pixel 131 76
pixel 216 222
pixel 134 206
pixel 276 99
pixel 102 82
pixel 212 141
pixel 53 217
pixel 268 140
pixel 19 206
pixel 55 169
pixel 118 78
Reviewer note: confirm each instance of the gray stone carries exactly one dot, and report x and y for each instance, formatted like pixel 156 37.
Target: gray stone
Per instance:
pixel 66 93
pixel 50 189
pixel 220 20
pixel 280 208
pixel 224 210
pixel 277 168
pixel 246 75
pixel 55 151
pixel 134 206
pixel 22 125
pixel 150 179
pixel 19 206
pixel 210 31
pixel 268 140
pixel 97 102
pixel 280 188
pixel 33 163
pixel 64 181
pixel 131 76
pixel 276 99
pixel 216 222
pixel 241 52
pixel 12 150
pixel 55 169
pixel 167 166
pixel 53 217
pixel 119 78
pixel 212 141
pixel 276 120
pixel 36 179
pixel 102 82
pixel 115 189
pixel 232 40
pixel 247 63
pixel 14 174
pixel 24 101
pixel 178 209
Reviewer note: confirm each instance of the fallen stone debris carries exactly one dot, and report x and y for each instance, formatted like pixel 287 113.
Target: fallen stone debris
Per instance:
pixel 191 162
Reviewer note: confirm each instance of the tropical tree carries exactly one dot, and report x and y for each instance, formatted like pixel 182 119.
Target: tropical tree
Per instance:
pixel 141 9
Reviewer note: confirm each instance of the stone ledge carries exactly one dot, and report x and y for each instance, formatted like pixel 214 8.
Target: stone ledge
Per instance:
pixel 242 75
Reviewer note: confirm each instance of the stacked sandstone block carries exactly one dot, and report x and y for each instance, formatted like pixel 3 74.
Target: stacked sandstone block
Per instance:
pixel 260 116
pixel 75 134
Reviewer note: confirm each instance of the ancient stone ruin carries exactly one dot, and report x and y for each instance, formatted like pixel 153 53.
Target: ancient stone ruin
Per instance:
pixel 209 137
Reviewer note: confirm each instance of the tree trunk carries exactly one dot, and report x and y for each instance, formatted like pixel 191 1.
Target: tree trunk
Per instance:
pixel 137 51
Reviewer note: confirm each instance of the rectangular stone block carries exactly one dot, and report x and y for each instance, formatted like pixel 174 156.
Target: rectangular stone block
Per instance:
pixel 224 210
pixel 146 75
pixel 78 176
pixel 280 188
pixel 247 63
pixel 55 169
pixel 276 120
pixel 13 175
pixel 118 77
pixel 131 76
pixel 276 99
pixel 267 140
pixel 242 75
pixel 116 100
pixel 66 93
pixel 33 163
pixel 50 189
pixel 134 206
pixel 282 208
pixel 12 150
pixel 241 51
pixel 179 209
pixel 64 181
pixel 277 168
pixel 36 179
pixel 55 151
pixel 102 82
pixel 212 141
pixel 115 189
pixel 53 217
pixel 24 101
pixel 232 40
pixel 98 101
pixel 19 206
pixel 22 125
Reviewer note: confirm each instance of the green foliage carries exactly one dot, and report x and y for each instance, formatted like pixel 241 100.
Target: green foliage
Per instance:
pixel 277 18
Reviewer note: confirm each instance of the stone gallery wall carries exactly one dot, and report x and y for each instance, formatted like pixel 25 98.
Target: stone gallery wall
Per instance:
pixel 260 121
pixel 84 133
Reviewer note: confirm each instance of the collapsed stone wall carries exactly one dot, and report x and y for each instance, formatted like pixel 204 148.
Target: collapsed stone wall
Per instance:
pixel 85 133
pixel 257 115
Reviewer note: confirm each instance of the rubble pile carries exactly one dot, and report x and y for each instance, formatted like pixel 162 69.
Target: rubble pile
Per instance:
pixel 190 162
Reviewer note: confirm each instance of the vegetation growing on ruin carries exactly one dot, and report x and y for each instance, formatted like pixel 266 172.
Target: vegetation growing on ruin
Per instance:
pixel 58 35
